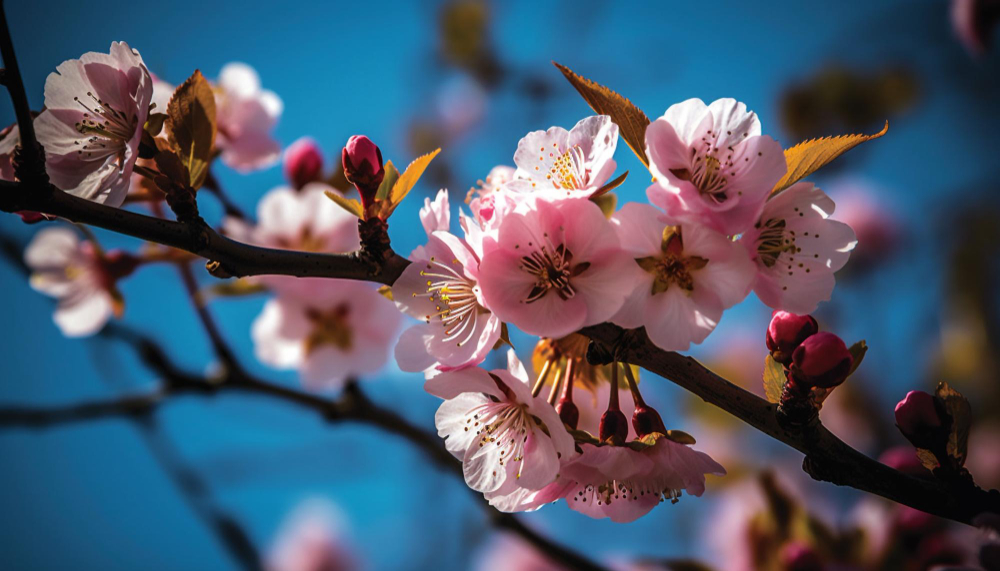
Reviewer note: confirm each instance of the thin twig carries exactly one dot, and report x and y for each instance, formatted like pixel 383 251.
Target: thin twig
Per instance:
pixel 15 86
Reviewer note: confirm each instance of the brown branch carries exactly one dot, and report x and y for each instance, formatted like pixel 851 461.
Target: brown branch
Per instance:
pixel 31 152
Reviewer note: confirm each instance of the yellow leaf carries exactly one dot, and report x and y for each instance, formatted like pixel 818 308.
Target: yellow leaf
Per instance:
pixel 631 121
pixel 857 351
pixel 607 202
pixel 388 180
pixel 809 156
pixel 386 292
pixel 191 126
pixel 774 379
pixel 960 410
pixel 348 204
pixel 409 178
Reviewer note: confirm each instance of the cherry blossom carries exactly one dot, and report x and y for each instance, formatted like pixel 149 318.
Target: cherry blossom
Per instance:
pixel 95 108
pixel 711 164
pixel 572 163
pixel 556 267
pixel 435 215
pixel 491 199
pixel 691 274
pixel 79 276
pixel 330 330
pixel 797 249
pixel 312 539
pixel 498 429
pixel 246 115
pixel 441 288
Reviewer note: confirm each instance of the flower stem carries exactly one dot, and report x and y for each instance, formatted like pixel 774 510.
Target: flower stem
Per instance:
pixel 632 385
pixel 542 377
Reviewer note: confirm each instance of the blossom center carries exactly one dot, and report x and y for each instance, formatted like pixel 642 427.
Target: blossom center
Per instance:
pixel 553 269
pixel 505 425
pixel 109 129
pixel 707 171
pixel 329 328
pixel 671 266
pixel 774 241
pixel 456 303
pixel 569 170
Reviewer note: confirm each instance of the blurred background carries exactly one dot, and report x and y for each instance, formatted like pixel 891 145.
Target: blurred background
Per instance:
pixel 472 77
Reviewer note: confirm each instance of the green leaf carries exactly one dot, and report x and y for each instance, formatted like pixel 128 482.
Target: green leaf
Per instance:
pixel 774 379
pixel 388 180
pixel 409 178
pixel 961 421
pixel 809 156
pixel 858 352
pixel 607 202
pixel 348 204
pixel 631 121
pixel 154 123
pixel 191 126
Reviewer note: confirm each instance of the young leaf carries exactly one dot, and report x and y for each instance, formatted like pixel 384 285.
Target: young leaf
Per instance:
pixel 388 180
pixel 809 156
pixel 774 379
pixel 961 421
pixel 348 204
pixel 857 351
pixel 607 202
pixel 610 186
pixel 631 121
pixel 191 126
pixel 409 178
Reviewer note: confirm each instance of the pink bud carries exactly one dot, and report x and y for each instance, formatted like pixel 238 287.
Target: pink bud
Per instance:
pixel 363 166
pixel 303 162
pixel 919 417
pixel 822 360
pixel 646 420
pixel 786 332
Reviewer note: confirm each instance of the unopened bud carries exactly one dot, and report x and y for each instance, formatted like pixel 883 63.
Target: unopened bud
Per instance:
pixel 568 412
pixel 645 420
pixel 303 162
pixel 822 360
pixel 614 425
pixel 363 166
pixel 786 332
pixel 920 417
pixel 31 217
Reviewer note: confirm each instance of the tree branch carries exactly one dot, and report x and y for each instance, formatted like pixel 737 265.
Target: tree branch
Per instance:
pixel 32 153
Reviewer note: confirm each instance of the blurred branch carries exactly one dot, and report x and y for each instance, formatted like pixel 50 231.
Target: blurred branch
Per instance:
pixel 30 152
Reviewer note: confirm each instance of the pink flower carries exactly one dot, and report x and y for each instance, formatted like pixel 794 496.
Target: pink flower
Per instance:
pixel 91 127
pixel 330 330
pixel 435 215
pixel 79 277
pixel 304 220
pixel 303 162
pixel 246 115
pixel 691 274
pixel 556 267
pixel 571 163
pixel 441 288
pixel 312 539
pixel 786 332
pixel 876 224
pixel 507 552
pixel 499 431
pixel 711 164
pixel 797 249
pixel 623 484
pixel 491 200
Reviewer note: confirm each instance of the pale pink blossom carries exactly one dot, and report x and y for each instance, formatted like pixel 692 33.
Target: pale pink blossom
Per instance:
pixel 441 288
pixel 95 108
pixel 246 115
pixel 10 138
pixel 691 274
pixel 563 163
pixel 491 199
pixel 435 215
pixel 711 164
pixel 80 277
pixel 875 221
pixel 312 539
pixel 797 249
pixel 501 433
pixel 507 552
pixel 329 330
pixel 556 267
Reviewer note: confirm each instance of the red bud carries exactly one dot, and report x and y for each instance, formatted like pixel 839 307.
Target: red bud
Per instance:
pixel 646 420
pixel 613 425
pixel 786 332
pixel 920 417
pixel 303 162
pixel 822 360
pixel 363 166
pixel 568 412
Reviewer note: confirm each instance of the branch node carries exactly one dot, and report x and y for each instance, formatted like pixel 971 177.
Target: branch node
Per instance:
pixel 216 269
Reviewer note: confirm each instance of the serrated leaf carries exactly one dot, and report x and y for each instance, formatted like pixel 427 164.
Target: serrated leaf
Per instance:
pixel 607 202
pixel 409 178
pixel 348 204
pixel 809 156
pixel 388 180
pixel 631 121
pixel 190 126
pixel 961 421
pixel 610 186
pixel 858 352
pixel 774 379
